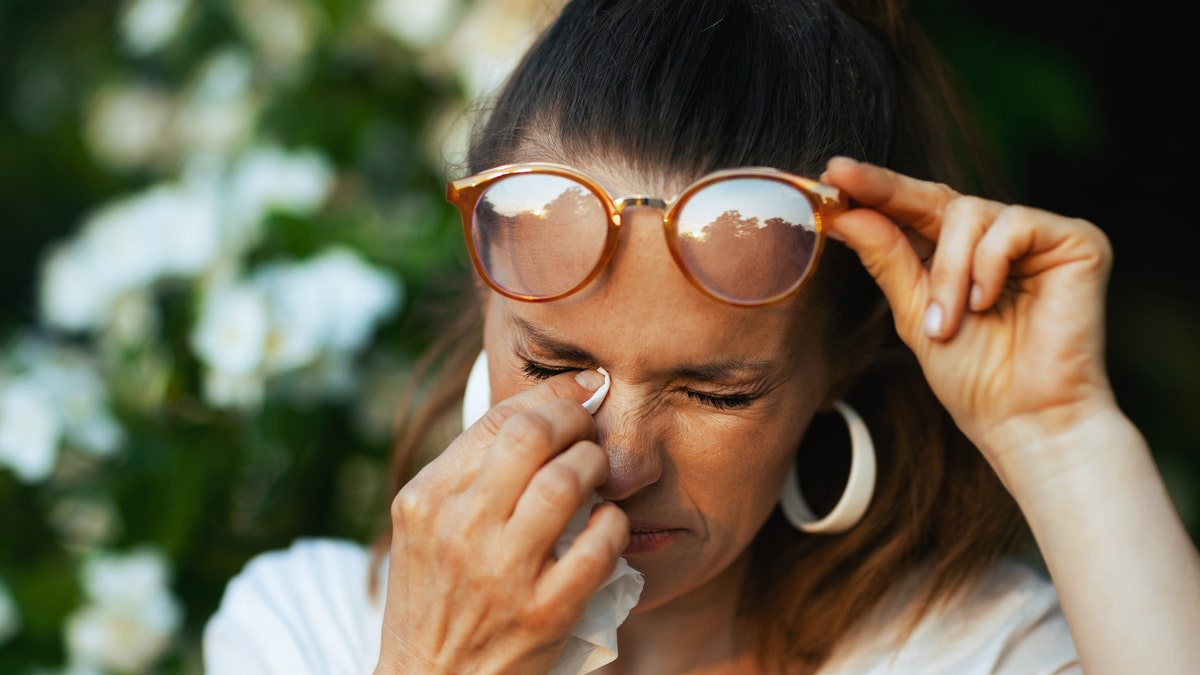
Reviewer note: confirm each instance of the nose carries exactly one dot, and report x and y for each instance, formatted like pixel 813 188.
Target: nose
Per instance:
pixel 630 433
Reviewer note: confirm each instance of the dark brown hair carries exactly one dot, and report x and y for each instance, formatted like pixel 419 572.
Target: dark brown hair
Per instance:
pixel 681 87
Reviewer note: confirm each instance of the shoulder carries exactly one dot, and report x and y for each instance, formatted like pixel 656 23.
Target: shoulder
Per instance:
pixel 1009 622
pixel 303 609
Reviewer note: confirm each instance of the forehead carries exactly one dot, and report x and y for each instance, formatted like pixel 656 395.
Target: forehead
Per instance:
pixel 618 175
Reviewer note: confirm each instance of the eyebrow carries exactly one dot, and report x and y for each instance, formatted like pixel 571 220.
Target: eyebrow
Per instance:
pixel 712 370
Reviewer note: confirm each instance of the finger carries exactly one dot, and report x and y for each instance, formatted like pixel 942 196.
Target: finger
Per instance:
pixel 578 386
pixel 576 576
pixel 526 442
pixel 918 204
pixel 965 220
pixel 461 460
pixel 889 258
pixel 555 493
pixel 1024 242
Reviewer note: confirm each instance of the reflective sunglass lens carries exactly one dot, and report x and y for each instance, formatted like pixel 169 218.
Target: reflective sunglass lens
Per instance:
pixel 747 239
pixel 539 235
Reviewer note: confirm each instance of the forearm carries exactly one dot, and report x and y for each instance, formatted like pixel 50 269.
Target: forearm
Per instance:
pixel 1126 571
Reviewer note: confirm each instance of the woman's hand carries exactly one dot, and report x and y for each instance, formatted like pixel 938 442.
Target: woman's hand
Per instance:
pixel 1003 306
pixel 473 583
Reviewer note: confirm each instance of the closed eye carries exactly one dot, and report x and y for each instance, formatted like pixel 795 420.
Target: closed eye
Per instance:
pixel 725 402
pixel 538 372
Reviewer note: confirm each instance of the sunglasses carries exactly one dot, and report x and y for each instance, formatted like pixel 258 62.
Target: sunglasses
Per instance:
pixel 539 232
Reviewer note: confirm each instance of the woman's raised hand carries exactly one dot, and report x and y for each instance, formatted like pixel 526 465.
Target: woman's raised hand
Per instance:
pixel 1003 306
pixel 473 583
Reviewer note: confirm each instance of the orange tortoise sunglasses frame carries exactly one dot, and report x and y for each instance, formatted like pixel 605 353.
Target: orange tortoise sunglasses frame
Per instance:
pixel 465 194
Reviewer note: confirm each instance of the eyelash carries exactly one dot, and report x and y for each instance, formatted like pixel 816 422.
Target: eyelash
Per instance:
pixel 721 402
pixel 538 372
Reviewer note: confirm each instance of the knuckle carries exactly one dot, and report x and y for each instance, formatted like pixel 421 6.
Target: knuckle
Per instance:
pixel 557 486
pixel 595 558
pixel 495 418
pixel 527 431
pixel 968 208
pixel 1017 213
pixel 411 504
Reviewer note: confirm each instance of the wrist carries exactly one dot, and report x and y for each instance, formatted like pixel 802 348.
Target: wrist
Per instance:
pixel 1075 454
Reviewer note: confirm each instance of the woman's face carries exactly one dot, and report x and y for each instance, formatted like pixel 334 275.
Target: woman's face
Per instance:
pixel 707 406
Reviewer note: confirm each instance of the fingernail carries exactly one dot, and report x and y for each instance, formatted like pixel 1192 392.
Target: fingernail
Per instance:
pixel 976 297
pixel 593 404
pixel 590 379
pixel 933 320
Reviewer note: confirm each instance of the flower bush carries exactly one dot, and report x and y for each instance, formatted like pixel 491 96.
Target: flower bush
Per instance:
pixel 218 340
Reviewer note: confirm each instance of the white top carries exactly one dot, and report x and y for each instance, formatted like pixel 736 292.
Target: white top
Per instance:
pixel 305 610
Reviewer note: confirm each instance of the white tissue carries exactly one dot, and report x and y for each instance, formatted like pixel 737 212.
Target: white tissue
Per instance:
pixel 593 640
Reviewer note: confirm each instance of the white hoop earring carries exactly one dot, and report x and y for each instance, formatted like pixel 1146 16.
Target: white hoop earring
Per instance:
pixel 859 486
pixel 478 396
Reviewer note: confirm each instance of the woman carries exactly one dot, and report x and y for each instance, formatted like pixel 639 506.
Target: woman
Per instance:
pixel 960 338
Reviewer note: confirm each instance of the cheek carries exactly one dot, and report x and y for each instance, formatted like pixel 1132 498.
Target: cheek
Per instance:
pixel 733 475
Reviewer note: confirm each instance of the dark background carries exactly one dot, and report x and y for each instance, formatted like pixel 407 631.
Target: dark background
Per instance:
pixel 1091 107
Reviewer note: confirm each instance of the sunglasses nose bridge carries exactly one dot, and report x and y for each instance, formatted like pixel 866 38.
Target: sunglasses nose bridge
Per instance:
pixel 639 200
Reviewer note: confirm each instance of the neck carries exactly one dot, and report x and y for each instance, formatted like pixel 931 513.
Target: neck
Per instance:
pixel 697 633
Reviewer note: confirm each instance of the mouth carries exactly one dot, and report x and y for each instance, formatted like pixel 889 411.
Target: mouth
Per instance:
pixel 649 537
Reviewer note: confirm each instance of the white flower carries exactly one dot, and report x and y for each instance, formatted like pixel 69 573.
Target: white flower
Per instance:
pixel 148 25
pixel 290 316
pixel 269 178
pixel 129 126
pixel 131 614
pixel 58 395
pixel 330 303
pixel 224 390
pixel 419 24
pixel 298 315
pixel 80 401
pixel 283 30
pixel 126 245
pixel 355 295
pixel 122 240
pixel 10 615
pixel 188 225
pixel 71 295
pixel 30 430
pixel 231 335
pixel 218 113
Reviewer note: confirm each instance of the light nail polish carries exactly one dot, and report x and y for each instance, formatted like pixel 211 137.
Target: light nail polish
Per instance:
pixel 933 320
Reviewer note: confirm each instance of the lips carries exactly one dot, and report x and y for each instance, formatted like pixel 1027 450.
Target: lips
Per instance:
pixel 649 537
